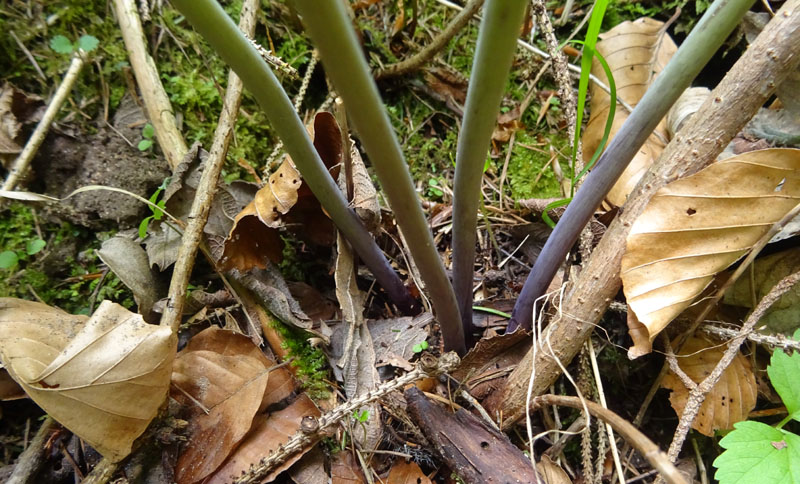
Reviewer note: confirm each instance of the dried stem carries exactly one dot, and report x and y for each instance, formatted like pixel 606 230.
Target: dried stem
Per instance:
pixel 631 434
pixel 312 429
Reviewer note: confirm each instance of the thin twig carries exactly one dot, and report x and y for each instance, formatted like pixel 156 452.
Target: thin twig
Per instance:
pixel 22 162
pixel 312 429
pixel 32 459
pixel 638 440
pixel 193 233
pixel 698 394
pixel 417 60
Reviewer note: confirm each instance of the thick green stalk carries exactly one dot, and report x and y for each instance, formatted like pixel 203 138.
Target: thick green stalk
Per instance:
pixel 497 41
pixel 214 24
pixel 329 26
pixel 709 34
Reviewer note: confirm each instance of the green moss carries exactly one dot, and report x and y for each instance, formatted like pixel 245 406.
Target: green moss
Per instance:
pixel 64 284
pixel 526 164
pixel 310 361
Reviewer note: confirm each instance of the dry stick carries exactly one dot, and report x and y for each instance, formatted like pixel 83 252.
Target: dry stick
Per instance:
pixel 159 109
pixel 312 429
pixel 546 56
pixel 22 162
pixel 561 71
pixel 417 60
pixel 32 458
pixel 631 434
pixel 698 393
pixel 736 99
pixel 207 187
pixel 769 340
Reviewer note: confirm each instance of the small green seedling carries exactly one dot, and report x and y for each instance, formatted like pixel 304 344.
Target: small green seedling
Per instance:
pixel 420 347
pixel 361 416
pixel 757 453
pixel 63 45
pixel 9 258
pixel 147 134
pixel 158 213
pixel 434 189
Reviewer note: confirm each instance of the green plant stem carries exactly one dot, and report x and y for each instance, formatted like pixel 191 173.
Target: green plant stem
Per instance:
pixel 331 29
pixel 214 24
pixel 704 40
pixel 497 41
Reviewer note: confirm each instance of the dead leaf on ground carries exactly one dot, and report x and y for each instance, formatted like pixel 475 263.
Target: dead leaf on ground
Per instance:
pixel 636 53
pixel 345 470
pixel 103 377
pixel 129 261
pixel 507 123
pixel 697 226
pixel 222 378
pixel 406 473
pixel 266 435
pixel 551 472
pixel 783 316
pixel 310 469
pixel 731 399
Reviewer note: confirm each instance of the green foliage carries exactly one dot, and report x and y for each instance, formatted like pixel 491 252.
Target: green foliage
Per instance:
pixel 361 416
pixel 158 213
pixel 420 347
pixel 147 142
pixel 63 45
pixel 757 453
pixel 310 361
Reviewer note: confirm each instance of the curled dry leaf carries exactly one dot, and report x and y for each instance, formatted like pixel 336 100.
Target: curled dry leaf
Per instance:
pixel 267 434
pixel 635 52
pixel 254 234
pixel 222 378
pixel 345 470
pixel 406 473
pixel 551 472
pixel 695 227
pixel 731 399
pixel 103 377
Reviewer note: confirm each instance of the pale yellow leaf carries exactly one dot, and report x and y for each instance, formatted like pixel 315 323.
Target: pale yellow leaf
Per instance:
pixel 697 226
pixel 635 52
pixel 731 399
pixel 103 377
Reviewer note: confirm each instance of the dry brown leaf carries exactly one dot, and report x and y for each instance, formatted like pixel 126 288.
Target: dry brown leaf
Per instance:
pixel 731 399
pixel 345 470
pixel 551 472
pixel 221 377
pixel 10 389
pixel 406 473
pixel 267 434
pixel 695 227
pixel 254 235
pixel 636 52
pixel 103 377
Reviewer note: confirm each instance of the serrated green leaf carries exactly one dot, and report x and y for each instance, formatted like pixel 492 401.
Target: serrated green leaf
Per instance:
pixel 61 44
pixel 758 454
pixel 148 131
pixel 145 145
pixel 34 246
pixel 88 43
pixel 784 373
pixel 8 259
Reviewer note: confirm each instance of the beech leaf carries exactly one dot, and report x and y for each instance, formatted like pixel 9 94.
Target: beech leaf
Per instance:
pixel 103 377
pixel 695 227
pixel 731 399
pixel 636 52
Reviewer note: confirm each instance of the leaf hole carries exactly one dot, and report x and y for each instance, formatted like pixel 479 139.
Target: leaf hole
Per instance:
pixel 484 445
pixel 691 212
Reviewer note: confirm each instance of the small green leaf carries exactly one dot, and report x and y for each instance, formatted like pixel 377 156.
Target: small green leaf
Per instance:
pixel 143 227
pixel 61 44
pixel 417 348
pixel 758 454
pixel 34 246
pixel 8 259
pixel 148 131
pixel 145 145
pixel 424 345
pixel 784 373
pixel 88 43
